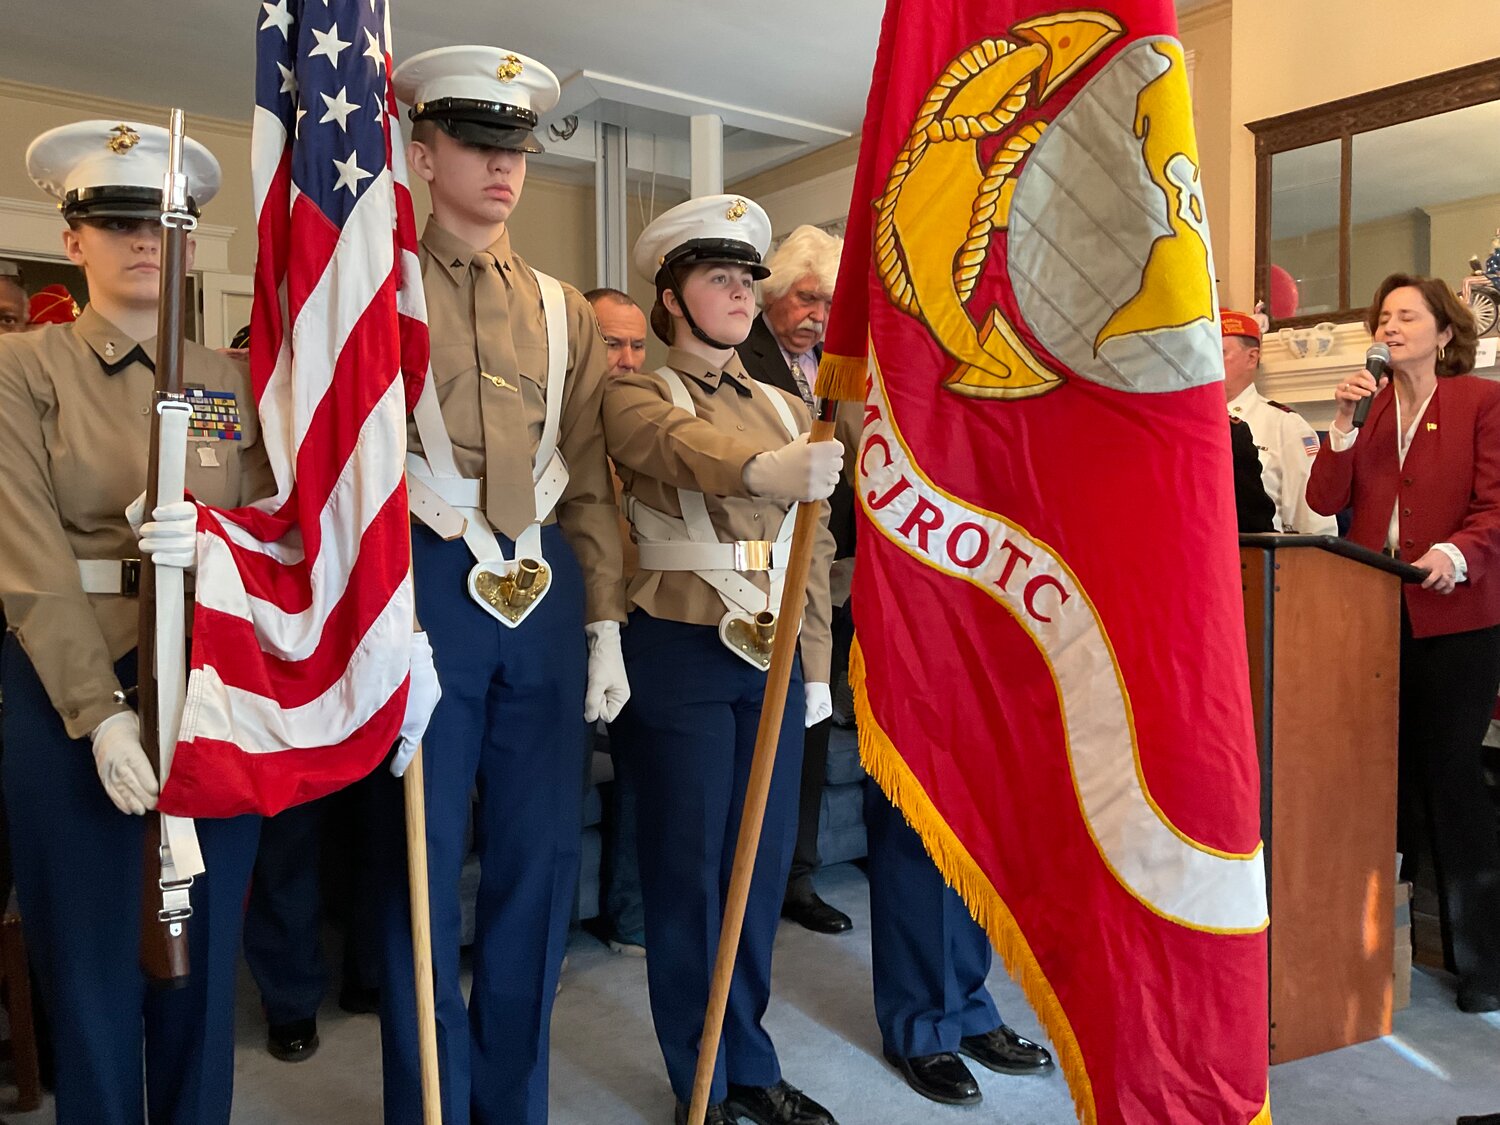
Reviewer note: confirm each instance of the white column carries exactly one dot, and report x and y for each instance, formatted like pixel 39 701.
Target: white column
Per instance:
pixel 708 154
pixel 612 250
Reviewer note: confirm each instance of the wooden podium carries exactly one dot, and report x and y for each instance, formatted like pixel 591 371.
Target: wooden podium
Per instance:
pixel 1323 622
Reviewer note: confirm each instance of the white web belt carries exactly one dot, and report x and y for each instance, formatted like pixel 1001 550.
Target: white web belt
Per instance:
pixel 692 543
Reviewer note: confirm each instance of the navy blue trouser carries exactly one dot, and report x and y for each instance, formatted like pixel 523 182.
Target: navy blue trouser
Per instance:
pixel 78 879
pixel 624 911
pixel 929 957
pixel 311 863
pixel 686 739
pixel 284 916
pixel 510 725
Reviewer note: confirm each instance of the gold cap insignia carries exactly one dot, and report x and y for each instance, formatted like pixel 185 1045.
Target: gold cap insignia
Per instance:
pixel 737 211
pixel 509 69
pixel 125 138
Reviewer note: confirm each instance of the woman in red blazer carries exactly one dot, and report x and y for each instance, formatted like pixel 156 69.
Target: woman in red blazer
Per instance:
pixel 1423 475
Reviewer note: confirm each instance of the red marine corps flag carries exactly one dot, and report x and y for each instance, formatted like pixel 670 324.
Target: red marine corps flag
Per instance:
pixel 1051 668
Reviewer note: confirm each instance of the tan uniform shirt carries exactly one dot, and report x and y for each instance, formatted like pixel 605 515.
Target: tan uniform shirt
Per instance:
pixel 469 403
pixel 658 449
pixel 75 422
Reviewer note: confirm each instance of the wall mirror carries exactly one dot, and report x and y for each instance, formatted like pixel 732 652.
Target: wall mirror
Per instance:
pixel 1402 178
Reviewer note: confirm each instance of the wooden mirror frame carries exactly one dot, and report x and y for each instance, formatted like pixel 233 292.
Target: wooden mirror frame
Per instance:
pixel 1341 120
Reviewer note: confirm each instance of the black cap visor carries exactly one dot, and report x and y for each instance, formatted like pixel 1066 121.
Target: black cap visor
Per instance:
pixel 490 124
pixel 116 203
pixel 697 251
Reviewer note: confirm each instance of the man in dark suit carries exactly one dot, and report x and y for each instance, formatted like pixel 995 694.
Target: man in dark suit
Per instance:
pixel 1253 508
pixel 783 349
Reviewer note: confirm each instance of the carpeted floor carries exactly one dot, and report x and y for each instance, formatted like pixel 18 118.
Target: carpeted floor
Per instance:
pixel 606 1069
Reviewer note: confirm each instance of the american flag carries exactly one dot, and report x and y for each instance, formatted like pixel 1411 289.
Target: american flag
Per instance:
pixel 302 630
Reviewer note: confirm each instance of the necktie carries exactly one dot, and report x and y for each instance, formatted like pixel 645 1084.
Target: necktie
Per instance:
pixel 801 380
pixel 509 494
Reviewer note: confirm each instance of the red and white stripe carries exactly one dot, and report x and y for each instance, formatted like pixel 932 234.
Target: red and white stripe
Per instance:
pixel 301 634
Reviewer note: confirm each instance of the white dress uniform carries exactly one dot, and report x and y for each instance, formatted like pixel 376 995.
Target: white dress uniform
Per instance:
pixel 1287 445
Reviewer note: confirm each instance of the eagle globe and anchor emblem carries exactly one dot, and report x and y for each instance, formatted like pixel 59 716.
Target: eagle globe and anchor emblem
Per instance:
pixel 1100 208
pixel 1099 211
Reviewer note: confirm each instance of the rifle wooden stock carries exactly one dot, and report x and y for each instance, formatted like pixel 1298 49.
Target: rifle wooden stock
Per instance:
pixel 164 947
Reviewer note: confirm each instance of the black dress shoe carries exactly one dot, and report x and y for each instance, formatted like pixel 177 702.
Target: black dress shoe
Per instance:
pixel 715 1115
pixel 1476 998
pixel 293 1042
pixel 1487 1119
pixel 1005 1052
pixel 781 1104
pixel 812 913
pixel 358 1001
pixel 942 1078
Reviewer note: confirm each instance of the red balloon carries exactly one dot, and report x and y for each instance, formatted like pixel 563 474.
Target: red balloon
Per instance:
pixel 1284 295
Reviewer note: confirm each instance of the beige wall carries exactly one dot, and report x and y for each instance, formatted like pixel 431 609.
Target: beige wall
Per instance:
pixel 1206 33
pixel 1291 54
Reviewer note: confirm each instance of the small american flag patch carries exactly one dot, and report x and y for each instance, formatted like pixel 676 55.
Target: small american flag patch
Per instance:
pixel 1310 443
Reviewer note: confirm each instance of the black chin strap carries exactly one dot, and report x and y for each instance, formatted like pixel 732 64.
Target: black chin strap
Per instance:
pixel 687 313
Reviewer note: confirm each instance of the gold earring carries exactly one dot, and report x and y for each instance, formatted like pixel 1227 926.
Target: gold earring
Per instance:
pixel 1442 351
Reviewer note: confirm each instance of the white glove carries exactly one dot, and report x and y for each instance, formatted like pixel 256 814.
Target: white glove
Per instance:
pixel 819 703
pixel 123 768
pixel 421 700
pixel 801 470
pixel 608 689
pixel 171 536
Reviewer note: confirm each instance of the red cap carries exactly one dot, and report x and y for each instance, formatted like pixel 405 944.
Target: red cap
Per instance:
pixel 1239 324
pixel 53 305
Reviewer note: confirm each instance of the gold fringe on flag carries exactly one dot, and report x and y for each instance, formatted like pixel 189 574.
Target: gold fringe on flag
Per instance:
pixel 885 764
pixel 842 377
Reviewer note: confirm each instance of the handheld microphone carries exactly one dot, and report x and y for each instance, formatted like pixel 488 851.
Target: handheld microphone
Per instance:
pixel 1378 364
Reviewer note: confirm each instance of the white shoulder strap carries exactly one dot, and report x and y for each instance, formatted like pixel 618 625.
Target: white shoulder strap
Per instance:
pixel 437 448
pixel 700 526
pixel 555 311
pixel 440 496
pixel 734 589
pixel 783 410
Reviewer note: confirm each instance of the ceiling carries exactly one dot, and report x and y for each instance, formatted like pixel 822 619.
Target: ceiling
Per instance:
pixel 807 62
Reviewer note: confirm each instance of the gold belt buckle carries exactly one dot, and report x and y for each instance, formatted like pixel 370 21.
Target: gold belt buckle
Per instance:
pixel 511 594
pixel 752 638
pixel 752 554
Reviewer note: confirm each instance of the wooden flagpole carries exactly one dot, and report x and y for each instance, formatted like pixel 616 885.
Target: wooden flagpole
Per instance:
pixel 421 909
pixel 778 676
pixel 421 938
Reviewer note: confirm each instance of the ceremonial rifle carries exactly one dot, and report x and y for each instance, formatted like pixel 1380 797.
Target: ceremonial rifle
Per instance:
pixel 165 902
